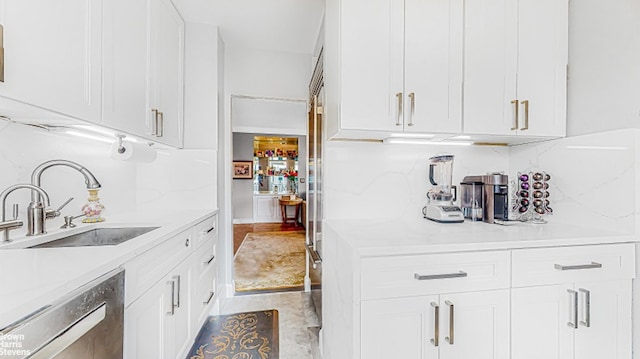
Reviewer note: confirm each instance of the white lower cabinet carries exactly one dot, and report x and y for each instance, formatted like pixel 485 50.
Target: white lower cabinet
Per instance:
pixel 266 209
pixel 571 302
pixel 577 320
pixel 157 324
pixel 447 326
pixel 167 307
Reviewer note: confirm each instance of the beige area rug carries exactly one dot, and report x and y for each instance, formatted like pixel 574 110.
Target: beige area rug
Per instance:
pixel 270 261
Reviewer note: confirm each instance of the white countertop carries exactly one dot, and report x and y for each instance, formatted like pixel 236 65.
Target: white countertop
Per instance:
pixel 400 237
pixel 33 278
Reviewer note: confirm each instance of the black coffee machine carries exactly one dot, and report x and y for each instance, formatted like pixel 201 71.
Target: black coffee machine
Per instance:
pixel 491 192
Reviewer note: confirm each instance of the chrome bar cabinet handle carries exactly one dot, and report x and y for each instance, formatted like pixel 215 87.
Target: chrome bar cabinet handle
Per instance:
pixel 154 122
pixel 172 307
pixel 208 298
pixel 436 336
pixel 177 288
pixel 208 261
pixel 449 339
pixel 160 125
pixel 412 97
pixel 593 265
pixel 587 308
pixel 526 115
pixel 515 125
pixel 573 308
pixel 399 113
pixel 460 274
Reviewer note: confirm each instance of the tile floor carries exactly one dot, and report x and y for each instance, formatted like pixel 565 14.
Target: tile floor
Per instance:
pixel 298 323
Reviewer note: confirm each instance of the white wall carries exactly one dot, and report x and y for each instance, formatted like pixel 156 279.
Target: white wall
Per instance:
pixel 202 86
pixel 270 74
pixel 243 188
pixel 604 70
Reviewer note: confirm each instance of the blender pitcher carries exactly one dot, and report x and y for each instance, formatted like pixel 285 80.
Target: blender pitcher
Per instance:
pixel 440 176
pixel 440 207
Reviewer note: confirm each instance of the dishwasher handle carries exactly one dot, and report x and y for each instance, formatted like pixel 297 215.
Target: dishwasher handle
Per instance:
pixel 72 333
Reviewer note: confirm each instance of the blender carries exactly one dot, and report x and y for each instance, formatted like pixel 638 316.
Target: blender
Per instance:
pixel 440 207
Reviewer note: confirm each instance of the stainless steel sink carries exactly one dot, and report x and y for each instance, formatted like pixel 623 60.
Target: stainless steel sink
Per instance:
pixel 97 237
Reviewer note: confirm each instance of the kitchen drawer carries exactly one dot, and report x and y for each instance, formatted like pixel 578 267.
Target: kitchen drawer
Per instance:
pixel 387 277
pixel 205 258
pixel 146 269
pixel 542 266
pixel 204 296
pixel 205 230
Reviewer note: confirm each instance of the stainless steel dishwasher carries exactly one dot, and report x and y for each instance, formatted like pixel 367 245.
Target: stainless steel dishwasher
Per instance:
pixel 87 323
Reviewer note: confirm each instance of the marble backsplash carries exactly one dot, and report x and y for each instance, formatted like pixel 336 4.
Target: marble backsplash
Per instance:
pixel 177 179
pixel 594 177
pixel 373 180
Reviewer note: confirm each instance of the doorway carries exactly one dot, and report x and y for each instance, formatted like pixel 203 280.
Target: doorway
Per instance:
pixel 268 201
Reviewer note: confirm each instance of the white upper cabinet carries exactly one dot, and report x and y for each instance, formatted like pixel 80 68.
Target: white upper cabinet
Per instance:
pixel 166 74
pixel 52 55
pixel 118 63
pixel 144 69
pixel 393 66
pixel 125 58
pixel 433 66
pixel 515 61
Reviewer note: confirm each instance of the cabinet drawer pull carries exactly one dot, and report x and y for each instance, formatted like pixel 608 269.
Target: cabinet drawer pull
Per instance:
pixel 573 308
pixel 208 261
pixel 208 298
pixel 449 339
pixel 209 230
pixel 172 307
pixel 460 274
pixel 526 115
pixel 587 308
pixel 593 265
pixel 515 125
pixel 176 279
pixel 154 121
pixel 412 96
pixel 436 336
pixel 186 242
pixel 160 124
pixel 399 114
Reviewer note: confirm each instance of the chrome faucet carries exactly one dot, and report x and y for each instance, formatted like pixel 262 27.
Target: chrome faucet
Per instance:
pixel 36 178
pixel 35 213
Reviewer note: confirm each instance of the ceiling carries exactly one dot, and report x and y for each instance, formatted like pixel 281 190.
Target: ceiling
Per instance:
pixel 278 25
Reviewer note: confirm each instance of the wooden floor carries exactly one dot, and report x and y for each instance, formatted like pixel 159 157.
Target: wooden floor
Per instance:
pixel 241 230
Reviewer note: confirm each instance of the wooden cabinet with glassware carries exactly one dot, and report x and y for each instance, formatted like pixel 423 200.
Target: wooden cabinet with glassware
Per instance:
pixel 382 73
pixel 515 67
pixel 52 58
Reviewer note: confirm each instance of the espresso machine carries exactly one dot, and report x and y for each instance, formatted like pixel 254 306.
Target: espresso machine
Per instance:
pixel 440 207
pixel 485 197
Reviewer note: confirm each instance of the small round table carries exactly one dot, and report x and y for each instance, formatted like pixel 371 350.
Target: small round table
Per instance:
pixel 287 201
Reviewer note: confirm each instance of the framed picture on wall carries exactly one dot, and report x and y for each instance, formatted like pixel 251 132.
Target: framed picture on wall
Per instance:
pixel 243 169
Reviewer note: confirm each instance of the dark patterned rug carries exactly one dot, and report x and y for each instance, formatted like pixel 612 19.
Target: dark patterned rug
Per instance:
pixel 252 335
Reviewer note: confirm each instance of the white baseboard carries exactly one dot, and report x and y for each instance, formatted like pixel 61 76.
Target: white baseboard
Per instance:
pixel 243 221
